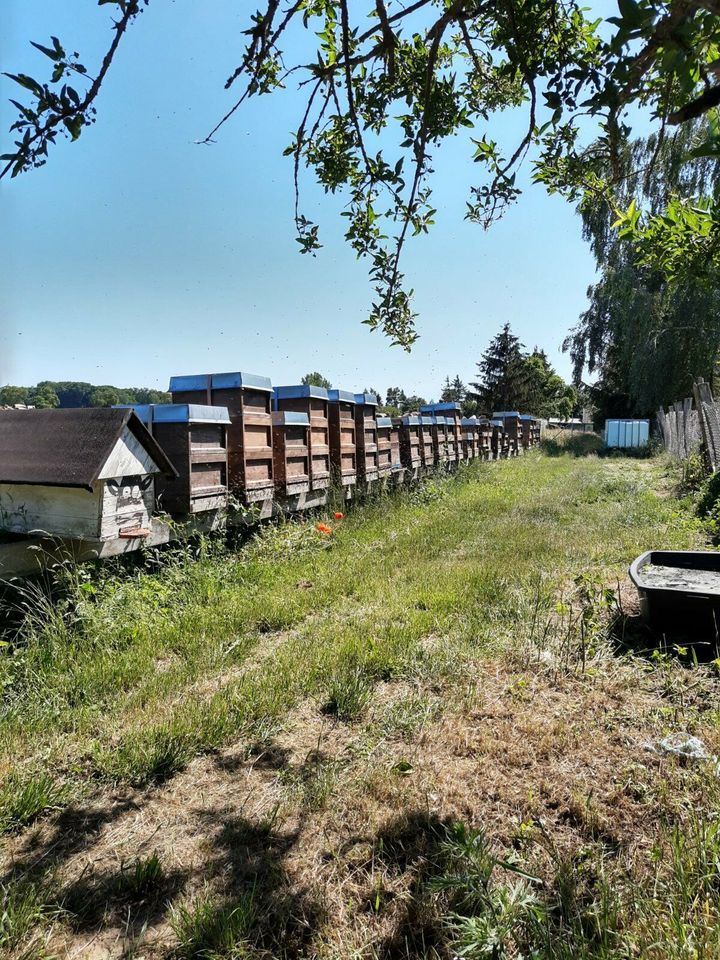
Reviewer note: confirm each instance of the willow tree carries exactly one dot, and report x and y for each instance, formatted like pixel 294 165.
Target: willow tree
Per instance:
pixel 647 333
pixel 386 83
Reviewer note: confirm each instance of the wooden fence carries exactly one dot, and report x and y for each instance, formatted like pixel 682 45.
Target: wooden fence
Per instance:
pixel 693 426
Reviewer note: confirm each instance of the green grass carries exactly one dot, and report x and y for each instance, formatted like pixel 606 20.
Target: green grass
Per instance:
pixel 132 674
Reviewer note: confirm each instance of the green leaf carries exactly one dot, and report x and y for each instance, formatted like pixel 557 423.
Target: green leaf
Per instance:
pixel 74 125
pixel 55 54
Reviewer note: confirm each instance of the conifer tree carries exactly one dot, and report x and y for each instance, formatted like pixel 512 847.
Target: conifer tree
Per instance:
pixel 502 374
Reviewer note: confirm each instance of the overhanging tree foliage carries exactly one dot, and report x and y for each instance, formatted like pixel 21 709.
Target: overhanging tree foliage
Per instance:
pixel 386 82
pixel 647 334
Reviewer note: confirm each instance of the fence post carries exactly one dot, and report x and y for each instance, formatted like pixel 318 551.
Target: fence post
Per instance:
pixel 703 397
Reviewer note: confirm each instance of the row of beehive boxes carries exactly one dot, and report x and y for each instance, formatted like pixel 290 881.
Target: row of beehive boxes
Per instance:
pixel 236 432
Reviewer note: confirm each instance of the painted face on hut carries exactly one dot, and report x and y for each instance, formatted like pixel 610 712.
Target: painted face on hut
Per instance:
pixel 129 489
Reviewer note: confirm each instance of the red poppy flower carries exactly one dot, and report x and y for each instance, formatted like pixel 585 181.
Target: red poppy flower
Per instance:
pixel 323 528
pixel 338 515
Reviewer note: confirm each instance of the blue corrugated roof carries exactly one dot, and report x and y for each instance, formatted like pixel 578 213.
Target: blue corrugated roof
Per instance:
pixel 433 407
pixel 366 399
pixel 335 396
pixel 290 418
pixel 220 381
pixel 300 390
pixel 177 412
pixel 469 422
pixel 410 419
pixel 384 421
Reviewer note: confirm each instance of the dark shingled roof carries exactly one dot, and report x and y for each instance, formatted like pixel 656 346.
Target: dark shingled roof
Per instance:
pixel 67 448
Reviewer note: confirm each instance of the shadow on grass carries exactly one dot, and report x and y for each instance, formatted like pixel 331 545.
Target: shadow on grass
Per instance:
pixel 631 634
pixel 592 444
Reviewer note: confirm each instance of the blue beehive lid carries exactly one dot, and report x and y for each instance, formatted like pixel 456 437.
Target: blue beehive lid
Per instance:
pixel 505 413
pixel 526 416
pixel 177 412
pixel 384 421
pixel 497 423
pixel 300 390
pixel 366 399
pixel 341 396
pixel 410 420
pixel 427 421
pixel 450 406
pixel 220 381
pixel 440 421
pixel 468 422
pixel 290 418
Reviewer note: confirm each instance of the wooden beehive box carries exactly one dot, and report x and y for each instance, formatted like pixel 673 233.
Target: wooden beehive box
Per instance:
pixel 511 423
pixel 312 401
pixel 450 411
pixel 440 430
pixel 291 452
pixel 384 446
pixel 366 437
pixel 526 430
pixel 84 474
pixel 343 450
pixel 427 443
pixel 470 437
pixel 498 440
pixel 537 430
pixel 194 437
pixel 485 431
pixel 247 398
pixel 408 428
pixel 398 470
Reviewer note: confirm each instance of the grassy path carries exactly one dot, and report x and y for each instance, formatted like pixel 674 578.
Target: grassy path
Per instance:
pixel 231 724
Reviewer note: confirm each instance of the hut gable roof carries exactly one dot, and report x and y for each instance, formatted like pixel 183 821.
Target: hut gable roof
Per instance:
pixel 76 447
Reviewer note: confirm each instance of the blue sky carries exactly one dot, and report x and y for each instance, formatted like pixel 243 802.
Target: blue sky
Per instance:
pixel 135 254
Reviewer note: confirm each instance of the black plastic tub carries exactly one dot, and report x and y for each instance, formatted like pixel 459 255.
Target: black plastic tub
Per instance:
pixel 680 592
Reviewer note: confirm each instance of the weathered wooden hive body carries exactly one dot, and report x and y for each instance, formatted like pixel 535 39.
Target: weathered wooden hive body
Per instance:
pixel 84 474
pixel 450 411
pixel 408 428
pixel 499 440
pixel 247 398
pixel 366 437
pixel 390 465
pixel 291 449
pixel 511 423
pixel 194 437
pixel 343 450
pixel 485 431
pixel 527 437
pixel 312 401
pixel 398 470
pixel 384 445
pixel 470 437
pixel 440 430
pixel 427 443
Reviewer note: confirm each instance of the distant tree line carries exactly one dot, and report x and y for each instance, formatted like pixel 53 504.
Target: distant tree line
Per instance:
pixel 67 393
pixel 508 378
